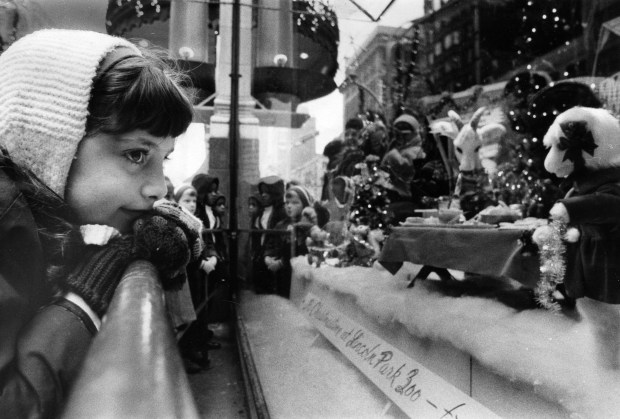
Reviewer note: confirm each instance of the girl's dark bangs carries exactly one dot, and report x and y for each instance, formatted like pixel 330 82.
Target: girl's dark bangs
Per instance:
pixel 156 105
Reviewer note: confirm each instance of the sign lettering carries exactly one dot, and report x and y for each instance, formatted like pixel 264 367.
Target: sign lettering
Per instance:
pixel 416 390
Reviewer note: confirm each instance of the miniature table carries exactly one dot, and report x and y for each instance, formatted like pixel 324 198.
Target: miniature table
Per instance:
pixel 468 248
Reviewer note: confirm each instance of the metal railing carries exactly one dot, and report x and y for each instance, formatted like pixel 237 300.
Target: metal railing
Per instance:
pixel 133 368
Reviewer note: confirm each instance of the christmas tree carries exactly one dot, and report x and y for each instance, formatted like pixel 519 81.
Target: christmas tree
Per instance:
pixel 370 207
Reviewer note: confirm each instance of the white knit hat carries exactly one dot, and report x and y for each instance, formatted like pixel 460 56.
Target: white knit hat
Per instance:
pixel 408 119
pixel 45 83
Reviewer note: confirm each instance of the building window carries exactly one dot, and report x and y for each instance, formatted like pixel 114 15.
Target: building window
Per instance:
pixel 431 59
pixel 447 41
pixel 456 37
pixel 438 48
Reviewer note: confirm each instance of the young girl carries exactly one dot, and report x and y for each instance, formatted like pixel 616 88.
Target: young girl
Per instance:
pixel 271 190
pixel 86 121
pixel 194 344
pixel 220 290
pixel 185 196
pixel 278 247
pixel 255 209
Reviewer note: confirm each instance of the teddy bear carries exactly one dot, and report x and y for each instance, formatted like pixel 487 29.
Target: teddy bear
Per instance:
pixel 584 148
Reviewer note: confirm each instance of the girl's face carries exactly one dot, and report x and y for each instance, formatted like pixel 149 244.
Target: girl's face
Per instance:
pixel 212 195
pixel 115 179
pixel 220 209
pixel 293 206
pixel 267 198
pixel 188 200
pixel 252 207
pixel 352 137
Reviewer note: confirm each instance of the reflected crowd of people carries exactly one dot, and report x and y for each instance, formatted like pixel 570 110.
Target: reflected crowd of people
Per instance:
pixel 286 219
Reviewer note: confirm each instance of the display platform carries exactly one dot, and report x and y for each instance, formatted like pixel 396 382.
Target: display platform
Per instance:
pixel 518 363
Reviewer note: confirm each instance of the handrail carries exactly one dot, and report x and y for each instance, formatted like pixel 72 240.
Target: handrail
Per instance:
pixel 133 368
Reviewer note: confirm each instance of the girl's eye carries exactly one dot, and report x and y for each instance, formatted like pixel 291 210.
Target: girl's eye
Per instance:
pixel 459 149
pixel 477 149
pixel 137 156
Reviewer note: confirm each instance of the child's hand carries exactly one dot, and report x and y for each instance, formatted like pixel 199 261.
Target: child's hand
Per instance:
pixel 208 265
pixel 170 239
pixel 273 264
pixel 98 272
pixel 191 225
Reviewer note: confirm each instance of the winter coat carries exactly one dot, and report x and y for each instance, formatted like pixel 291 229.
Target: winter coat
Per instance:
pixel 203 184
pixel 273 185
pixel 41 349
pixel 279 247
pixel 400 163
pixel 350 160
pixel 593 262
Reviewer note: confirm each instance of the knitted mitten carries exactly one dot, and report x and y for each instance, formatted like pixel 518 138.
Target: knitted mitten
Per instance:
pixel 170 239
pixel 98 272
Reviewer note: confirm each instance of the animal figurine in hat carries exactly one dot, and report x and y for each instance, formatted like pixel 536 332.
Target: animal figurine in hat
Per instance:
pixel 584 148
pixel 473 186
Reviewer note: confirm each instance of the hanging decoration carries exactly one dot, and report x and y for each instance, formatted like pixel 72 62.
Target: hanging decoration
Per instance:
pixel 406 70
pixel 551 250
pixel 316 20
pixel 125 15
pixel 139 6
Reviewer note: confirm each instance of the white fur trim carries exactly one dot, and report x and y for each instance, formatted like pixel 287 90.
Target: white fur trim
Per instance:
pixel 98 234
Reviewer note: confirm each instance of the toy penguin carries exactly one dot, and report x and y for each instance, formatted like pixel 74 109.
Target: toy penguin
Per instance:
pixel 584 147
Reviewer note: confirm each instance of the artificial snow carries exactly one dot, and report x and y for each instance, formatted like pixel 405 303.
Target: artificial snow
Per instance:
pixel 552 353
pixel 302 375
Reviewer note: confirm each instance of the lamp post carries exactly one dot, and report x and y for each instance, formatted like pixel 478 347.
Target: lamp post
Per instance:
pixel 234 140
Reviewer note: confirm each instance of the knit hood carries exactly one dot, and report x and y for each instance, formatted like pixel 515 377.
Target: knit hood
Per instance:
pixel 304 195
pixel 181 190
pixel 203 184
pixel 274 185
pixel 46 80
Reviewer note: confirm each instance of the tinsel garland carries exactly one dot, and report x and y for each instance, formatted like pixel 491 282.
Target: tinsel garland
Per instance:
pixel 552 265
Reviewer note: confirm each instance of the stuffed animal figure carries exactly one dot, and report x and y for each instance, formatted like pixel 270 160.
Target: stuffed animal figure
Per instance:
pixel 584 147
pixel 473 186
